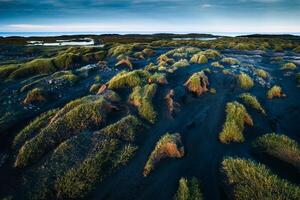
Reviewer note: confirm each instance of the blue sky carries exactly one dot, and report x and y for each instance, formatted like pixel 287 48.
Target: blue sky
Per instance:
pixel 150 15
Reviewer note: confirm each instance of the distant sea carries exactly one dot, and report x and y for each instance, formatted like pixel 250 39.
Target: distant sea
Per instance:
pixel 28 34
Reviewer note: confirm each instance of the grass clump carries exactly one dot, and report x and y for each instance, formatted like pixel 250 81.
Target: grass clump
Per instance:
pixel 125 129
pixel 36 95
pixel 168 146
pixel 33 128
pixel 279 146
pixel 252 101
pixel 125 62
pixel 158 78
pixel 289 66
pixel 245 81
pixel 230 61
pixel 80 180
pixel 67 75
pixel 275 91
pixel 199 58
pixel 128 79
pixel 83 114
pixel 188 190
pixel 236 117
pixel 181 63
pixel 6 70
pixel 217 64
pixel 141 97
pixel 95 87
pixel 251 180
pixel 261 73
pixel 197 83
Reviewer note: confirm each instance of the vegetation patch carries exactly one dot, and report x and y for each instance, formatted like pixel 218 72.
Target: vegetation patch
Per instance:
pixel 83 114
pixel 197 83
pixel 129 79
pixel 36 95
pixel 275 91
pixel 289 66
pixel 251 180
pixel 245 81
pixel 158 78
pixel 141 97
pixel 188 189
pixel 168 146
pixel 217 64
pixel 236 116
pixel 252 101
pixel 125 62
pixel 230 61
pixel 199 58
pixel 279 146
pixel 181 63
pixel 261 73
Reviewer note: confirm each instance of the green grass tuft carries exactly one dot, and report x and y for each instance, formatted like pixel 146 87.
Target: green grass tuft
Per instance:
pixel 245 81
pixel 188 190
pixel 197 83
pixel 275 91
pixel 168 146
pixel 289 66
pixel 251 180
pixel 236 116
pixel 141 97
pixel 251 100
pixel 279 146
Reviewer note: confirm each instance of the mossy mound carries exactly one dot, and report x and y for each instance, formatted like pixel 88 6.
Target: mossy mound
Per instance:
pixel 36 95
pixel 188 189
pixel 141 97
pixel 33 128
pixel 78 164
pixel 67 76
pixel 181 63
pixel 217 64
pixel 289 66
pixel 275 91
pixel 125 62
pixel 236 116
pixel 197 83
pixel 245 81
pixel 168 146
pixel 86 113
pixel 199 58
pixel 71 58
pixel 230 61
pixel 251 180
pixel 252 101
pixel 158 78
pixel 279 146
pixel 261 73
pixel 129 79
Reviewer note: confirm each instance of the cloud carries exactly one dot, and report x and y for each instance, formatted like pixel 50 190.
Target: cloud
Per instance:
pixel 206 5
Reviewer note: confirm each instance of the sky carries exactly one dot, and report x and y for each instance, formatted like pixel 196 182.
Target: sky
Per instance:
pixel 150 16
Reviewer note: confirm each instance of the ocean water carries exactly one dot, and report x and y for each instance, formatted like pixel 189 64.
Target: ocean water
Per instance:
pixel 28 34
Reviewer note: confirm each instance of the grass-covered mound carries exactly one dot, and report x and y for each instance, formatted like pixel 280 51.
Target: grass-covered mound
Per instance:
pixel 261 73
pixel 251 180
pixel 279 146
pixel 275 91
pixel 141 97
pixel 129 79
pixel 181 63
pixel 236 117
pixel 95 87
pixel 217 64
pixel 252 101
pixel 197 83
pixel 36 95
pixel 71 58
pixel 66 76
pixel 73 169
pixel 289 66
pixel 230 61
pixel 199 58
pixel 83 114
pixel 158 78
pixel 125 62
pixel 33 128
pixel 168 146
pixel 188 189
pixel 245 81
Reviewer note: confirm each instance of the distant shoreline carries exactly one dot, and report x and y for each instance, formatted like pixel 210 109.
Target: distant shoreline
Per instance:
pixel 55 34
